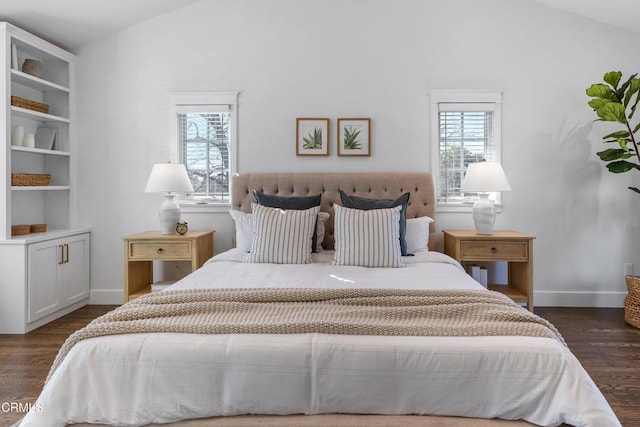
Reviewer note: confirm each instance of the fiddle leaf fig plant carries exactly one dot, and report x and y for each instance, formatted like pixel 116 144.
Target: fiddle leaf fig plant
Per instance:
pixel 615 102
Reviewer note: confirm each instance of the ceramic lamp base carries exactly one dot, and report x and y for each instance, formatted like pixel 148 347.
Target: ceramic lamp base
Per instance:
pixel 169 214
pixel 484 214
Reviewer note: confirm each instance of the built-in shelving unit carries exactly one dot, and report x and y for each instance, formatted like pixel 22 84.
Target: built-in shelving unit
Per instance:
pixel 38 101
pixel 52 86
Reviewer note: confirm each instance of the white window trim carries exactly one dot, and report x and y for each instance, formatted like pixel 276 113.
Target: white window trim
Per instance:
pixel 461 97
pixel 179 101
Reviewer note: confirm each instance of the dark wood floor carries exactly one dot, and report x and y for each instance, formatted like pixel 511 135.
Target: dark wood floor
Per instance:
pixel 607 348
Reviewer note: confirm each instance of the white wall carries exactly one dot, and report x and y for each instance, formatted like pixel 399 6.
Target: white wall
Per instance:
pixel 378 59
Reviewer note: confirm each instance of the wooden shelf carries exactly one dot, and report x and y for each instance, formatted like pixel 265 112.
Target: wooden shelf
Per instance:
pixel 138 293
pixel 510 291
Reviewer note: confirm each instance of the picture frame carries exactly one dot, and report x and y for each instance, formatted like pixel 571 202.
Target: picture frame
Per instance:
pixel 45 137
pixel 354 137
pixel 312 136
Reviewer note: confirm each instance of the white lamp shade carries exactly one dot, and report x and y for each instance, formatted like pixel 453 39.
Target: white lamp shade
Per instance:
pixel 485 177
pixel 168 177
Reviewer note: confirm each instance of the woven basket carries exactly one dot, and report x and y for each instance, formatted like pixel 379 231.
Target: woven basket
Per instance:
pixel 20 230
pixel 24 179
pixel 16 101
pixel 38 228
pixel 632 301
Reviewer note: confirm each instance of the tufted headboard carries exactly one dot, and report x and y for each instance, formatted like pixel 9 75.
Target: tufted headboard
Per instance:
pixel 370 185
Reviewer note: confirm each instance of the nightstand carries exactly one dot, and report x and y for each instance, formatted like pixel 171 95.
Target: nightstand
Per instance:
pixel 141 249
pixel 516 249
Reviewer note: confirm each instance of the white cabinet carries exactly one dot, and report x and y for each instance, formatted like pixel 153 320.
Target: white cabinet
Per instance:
pixel 43 278
pixel 34 287
pixel 58 275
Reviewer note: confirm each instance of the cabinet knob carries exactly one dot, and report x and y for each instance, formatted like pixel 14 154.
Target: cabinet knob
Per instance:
pixel 494 250
pixel 160 250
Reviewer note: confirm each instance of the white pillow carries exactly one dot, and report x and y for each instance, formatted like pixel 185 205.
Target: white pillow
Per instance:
pixel 244 229
pixel 367 238
pixel 282 236
pixel 417 234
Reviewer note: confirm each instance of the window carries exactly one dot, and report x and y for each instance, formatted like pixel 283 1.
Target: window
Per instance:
pixel 203 125
pixel 465 129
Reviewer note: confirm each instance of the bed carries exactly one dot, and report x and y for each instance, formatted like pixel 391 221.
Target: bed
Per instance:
pixel 276 371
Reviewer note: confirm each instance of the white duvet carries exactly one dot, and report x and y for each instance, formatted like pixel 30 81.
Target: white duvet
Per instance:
pixel 137 379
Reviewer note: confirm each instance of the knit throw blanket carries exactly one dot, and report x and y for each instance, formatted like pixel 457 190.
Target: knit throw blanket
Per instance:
pixel 328 311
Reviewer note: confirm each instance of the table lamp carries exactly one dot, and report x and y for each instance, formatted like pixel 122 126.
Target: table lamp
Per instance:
pixel 169 178
pixel 482 178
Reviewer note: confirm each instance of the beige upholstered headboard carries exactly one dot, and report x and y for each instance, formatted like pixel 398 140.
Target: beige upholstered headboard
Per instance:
pixel 370 185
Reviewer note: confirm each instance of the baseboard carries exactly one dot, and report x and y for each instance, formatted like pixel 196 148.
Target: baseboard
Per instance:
pixel 106 297
pixel 578 299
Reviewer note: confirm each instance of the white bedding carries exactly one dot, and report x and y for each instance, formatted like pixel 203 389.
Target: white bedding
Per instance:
pixel 431 270
pixel 139 379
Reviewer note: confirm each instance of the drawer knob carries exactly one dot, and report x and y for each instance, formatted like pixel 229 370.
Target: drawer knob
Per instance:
pixel 494 250
pixel 160 250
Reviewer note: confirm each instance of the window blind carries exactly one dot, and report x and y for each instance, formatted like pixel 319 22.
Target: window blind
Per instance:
pixel 204 148
pixel 466 135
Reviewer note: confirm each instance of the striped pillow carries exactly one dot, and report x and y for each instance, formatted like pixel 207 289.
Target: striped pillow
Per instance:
pixel 367 238
pixel 282 236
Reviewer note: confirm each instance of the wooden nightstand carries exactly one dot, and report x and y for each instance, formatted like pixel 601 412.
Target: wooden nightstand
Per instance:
pixel 141 249
pixel 509 246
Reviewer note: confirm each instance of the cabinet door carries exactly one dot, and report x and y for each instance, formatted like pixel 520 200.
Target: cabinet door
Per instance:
pixel 75 270
pixel 43 288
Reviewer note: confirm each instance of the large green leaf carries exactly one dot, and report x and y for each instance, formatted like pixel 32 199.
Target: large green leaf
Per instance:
pixel 634 85
pixel 596 103
pixel 621 166
pixel 635 104
pixel 612 154
pixel 618 134
pixel 598 90
pixel 635 129
pixel 612 112
pixel 613 78
pixel 622 89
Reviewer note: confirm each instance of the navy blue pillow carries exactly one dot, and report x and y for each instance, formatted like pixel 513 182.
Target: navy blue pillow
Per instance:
pixel 290 203
pixel 365 204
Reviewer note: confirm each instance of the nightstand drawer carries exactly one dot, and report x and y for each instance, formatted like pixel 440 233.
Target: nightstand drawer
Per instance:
pixel 499 250
pixel 160 250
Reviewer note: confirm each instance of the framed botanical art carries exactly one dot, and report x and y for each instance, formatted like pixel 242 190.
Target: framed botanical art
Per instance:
pixel 354 137
pixel 312 137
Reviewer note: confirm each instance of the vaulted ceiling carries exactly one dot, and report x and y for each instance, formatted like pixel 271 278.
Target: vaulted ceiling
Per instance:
pixel 620 13
pixel 71 23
